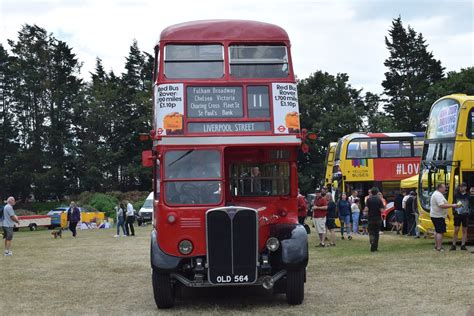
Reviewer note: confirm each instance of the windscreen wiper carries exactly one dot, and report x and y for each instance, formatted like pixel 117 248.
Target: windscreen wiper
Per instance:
pixel 181 157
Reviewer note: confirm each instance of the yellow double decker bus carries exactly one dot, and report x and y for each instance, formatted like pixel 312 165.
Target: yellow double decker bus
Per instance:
pixel 447 155
pixel 330 157
pixel 364 160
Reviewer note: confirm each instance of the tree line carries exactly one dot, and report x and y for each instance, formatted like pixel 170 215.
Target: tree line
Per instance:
pixel 62 135
pixel 414 80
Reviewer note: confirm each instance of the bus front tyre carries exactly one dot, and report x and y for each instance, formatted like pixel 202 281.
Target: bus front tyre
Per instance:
pixel 295 286
pixel 32 227
pixel 162 290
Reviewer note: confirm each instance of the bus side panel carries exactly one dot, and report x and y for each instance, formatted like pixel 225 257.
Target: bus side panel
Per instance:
pixel 395 168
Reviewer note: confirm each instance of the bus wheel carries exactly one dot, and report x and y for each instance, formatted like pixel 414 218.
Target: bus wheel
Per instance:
pixel 162 290
pixel 32 227
pixel 295 286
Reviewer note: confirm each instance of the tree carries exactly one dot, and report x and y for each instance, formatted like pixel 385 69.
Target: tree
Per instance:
pixel 411 71
pixel 135 113
pixel 330 107
pixel 377 121
pixel 45 89
pixel 8 130
pixel 455 82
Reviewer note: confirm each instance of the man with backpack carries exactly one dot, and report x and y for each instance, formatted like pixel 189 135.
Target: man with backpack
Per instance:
pixel 8 219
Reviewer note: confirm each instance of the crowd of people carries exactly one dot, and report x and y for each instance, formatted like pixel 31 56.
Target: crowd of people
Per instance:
pixel 357 220
pixel 325 210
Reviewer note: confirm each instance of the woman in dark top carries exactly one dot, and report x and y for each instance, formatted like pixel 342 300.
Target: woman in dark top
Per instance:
pixel 345 215
pixel 330 219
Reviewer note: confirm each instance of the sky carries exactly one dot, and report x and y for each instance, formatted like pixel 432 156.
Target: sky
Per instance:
pixel 330 35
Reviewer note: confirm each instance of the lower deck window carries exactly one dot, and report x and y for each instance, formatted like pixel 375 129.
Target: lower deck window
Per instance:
pixel 268 179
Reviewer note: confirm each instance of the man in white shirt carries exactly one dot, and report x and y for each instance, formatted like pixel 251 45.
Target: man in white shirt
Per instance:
pixel 130 219
pixel 8 223
pixel 438 213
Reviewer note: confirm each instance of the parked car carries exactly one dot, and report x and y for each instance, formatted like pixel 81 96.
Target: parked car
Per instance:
pixel 145 214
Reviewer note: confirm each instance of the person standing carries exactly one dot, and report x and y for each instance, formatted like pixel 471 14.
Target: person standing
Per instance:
pixel 302 208
pixel 364 220
pixel 405 214
pixel 8 222
pixel 331 219
pixel 374 209
pixel 439 213
pixel 73 217
pixel 320 210
pixel 355 211
pixel 344 208
pixel 416 213
pixel 410 214
pixel 130 219
pixel 399 212
pixel 120 217
pixel 355 215
pixel 461 216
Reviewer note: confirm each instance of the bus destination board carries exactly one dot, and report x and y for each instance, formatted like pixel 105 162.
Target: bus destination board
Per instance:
pixel 228 127
pixel 214 102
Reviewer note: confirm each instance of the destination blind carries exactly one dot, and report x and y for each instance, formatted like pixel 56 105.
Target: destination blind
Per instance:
pixel 214 102
pixel 229 127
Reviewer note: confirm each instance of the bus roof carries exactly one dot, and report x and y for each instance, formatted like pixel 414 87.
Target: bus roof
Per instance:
pixel 461 97
pixel 382 135
pixel 220 30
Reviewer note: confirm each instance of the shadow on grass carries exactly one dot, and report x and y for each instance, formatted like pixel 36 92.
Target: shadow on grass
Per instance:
pixel 228 298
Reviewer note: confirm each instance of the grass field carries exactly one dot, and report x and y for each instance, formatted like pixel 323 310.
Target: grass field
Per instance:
pixel 98 274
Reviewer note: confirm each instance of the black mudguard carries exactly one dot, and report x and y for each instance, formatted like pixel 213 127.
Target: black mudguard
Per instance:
pixel 294 245
pixel 161 261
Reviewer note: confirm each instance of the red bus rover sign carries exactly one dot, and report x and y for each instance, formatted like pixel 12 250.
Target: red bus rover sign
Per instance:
pixel 224 157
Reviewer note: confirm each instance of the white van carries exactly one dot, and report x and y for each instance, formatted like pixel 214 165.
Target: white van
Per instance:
pixel 145 214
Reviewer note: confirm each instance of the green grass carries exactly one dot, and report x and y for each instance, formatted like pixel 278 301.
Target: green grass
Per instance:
pixel 101 275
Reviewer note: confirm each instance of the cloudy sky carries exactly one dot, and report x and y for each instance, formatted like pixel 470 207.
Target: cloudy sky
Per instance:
pixel 331 35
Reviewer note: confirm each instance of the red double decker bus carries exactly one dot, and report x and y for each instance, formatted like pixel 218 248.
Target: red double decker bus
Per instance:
pixel 225 142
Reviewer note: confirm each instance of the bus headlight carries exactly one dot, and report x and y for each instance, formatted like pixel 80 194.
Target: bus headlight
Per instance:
pixel 171 218
pixel 273 244
pixel 185 247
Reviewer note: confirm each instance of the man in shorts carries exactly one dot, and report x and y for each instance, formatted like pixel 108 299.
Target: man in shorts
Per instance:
pixel 439 213
pixel 9 220
pixel 320 210
pixel 461 216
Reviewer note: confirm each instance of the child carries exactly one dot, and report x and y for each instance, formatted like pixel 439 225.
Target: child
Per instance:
pixel 365 222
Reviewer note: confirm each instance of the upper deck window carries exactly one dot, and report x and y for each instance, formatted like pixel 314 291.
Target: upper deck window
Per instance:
pixel 418 147
pixel 443 119
pixel 260 61
pixel 395 148
pixel 194 61
pixel 362 148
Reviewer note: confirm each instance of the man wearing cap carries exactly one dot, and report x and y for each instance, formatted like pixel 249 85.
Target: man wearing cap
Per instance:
pixel 461 216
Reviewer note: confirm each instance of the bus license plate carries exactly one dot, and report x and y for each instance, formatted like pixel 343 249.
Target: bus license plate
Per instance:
pixel 232 279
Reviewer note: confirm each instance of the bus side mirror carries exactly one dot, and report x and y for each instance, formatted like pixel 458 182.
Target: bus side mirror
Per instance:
pixel 147 158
